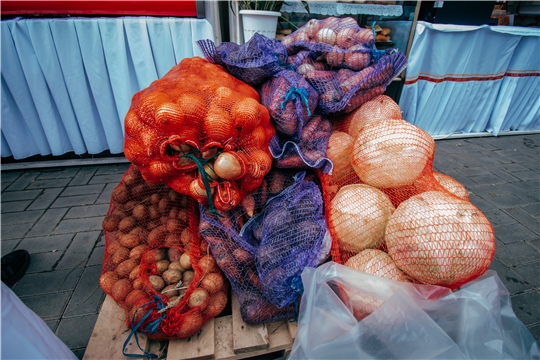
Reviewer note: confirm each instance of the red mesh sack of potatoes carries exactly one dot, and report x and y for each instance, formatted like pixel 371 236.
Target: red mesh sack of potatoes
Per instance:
pixel 200 131
pixel 155 264
pixel 377 198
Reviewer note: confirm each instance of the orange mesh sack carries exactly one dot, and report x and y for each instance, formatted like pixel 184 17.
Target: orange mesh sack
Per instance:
pixel 202 132
pixel 155 264
pixel 383 194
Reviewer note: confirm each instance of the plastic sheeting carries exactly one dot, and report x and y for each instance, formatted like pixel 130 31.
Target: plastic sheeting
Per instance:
pixel 471 79
pixel 409 321
pixel 67 83
pixel 25 335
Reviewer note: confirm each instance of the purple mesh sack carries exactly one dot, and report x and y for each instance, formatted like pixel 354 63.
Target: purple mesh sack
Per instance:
pixel 290 100
pixel 345 90
pixel 235 249
pixel 308 151
pixel 292 228
pixel 252 62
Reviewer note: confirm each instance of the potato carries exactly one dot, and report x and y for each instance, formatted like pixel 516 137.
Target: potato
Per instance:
pixel 120 255
pixel 185 261
pixel 132 297
pixel 158 234
pixel 121 289
pixel 173 196
pixel 183 216
pixel 164 206
pixel 137 311
pixel 173 214
pixel 130 241
pixel 207 264
pixel 120 194
pixel 137 252
pixel 157 282
pixel 138 191
pixel 107 280
pixel 185 236
pixel 151 225
pixel 131 178
pixel 126 224
pixel 134 273
pixel 187 277
pixel 124 268
pixel 160 254
pixel 172 240
pixel 173 254
pixel 138 283
pixel 198 298
pixel 155 198
pixel 153 212
pixel 212 283
pixel 175 226
pixel 141 233
pixel 175 265
pixel 130 205
pixel 162 266
pixel 170 291
pixel 112 247
pixel 163 220
pixel 110 223
pixel 173 299
pixel 190 325
pixel 139 212
pixel 172 276
pixel 216 304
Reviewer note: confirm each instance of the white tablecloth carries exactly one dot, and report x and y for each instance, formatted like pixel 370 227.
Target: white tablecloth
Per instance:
pixel 67 83
pixel 473 79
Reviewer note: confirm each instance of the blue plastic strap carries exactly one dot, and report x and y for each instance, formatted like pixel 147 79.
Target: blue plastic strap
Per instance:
pixel 376 54
pixel 301 92
pixel 152 328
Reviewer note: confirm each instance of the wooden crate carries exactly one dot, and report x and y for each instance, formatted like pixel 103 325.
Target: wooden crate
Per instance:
pixel 225 337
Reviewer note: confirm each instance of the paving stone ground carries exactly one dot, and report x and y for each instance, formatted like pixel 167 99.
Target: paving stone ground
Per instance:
pixel 56 214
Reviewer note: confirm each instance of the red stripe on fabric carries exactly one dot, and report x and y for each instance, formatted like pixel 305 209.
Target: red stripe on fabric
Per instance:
pixel 469 78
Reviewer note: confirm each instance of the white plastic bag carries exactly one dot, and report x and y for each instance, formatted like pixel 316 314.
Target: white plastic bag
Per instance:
pixel 408 321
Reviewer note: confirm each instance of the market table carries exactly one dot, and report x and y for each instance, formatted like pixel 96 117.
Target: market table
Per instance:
pixel 473 79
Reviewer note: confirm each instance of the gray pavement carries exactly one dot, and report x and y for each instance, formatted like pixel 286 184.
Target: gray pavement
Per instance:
pixel 56 214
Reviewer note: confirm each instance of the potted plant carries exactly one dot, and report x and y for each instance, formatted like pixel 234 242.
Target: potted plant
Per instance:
pixel 261 16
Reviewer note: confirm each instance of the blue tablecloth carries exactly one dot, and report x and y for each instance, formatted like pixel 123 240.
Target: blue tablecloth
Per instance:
pixel 472 79
pixel 67 83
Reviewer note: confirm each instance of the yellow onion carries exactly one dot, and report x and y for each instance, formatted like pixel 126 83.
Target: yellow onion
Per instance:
pixel 358 215
pixel 452 185
pixel 391 153
pixel 339 151
pixel 229 166
pixel 439 239
pixel 376 262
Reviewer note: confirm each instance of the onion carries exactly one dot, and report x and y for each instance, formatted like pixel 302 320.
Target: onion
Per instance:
pixel 339 151
pixel 346 37
pixel 358 215
pixel 380 108
pixel 440 239
pixel 327 36
pixel 228 166
pixel 391 153
pixel 304 69
pixel 312 28
pixel 335 58
pixel 376 262
pixel 452 185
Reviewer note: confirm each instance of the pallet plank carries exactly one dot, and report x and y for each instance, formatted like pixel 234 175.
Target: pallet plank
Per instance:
pixel 246 338
pixel 224 339
pixel 200 346
pixel 110 333
pixel 293 328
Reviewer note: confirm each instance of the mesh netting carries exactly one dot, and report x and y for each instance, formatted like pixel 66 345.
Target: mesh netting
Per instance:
pixel 155 265
pixel 290 101
pixel 341 42
pixel 390 164
pixel 345 90
pixel 292 229
pixel 252 62
pixel 236 255
pixel 309 151
pixel 202 132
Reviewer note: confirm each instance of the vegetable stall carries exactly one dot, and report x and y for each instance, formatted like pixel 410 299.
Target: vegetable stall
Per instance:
pixel 266 159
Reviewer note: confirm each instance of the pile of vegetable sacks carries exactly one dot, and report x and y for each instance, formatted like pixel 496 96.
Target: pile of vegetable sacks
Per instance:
pixel 267 158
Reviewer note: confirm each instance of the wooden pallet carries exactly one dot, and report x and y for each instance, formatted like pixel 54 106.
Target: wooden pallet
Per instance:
pixel 226 337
